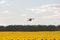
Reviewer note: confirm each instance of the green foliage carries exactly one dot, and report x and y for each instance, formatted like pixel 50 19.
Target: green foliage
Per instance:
pixel 30 28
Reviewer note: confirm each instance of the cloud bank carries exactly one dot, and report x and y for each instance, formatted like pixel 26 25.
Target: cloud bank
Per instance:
pixel 46 13
pixel 53 9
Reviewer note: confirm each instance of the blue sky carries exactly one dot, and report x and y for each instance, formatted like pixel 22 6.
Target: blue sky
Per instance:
pixel 16 12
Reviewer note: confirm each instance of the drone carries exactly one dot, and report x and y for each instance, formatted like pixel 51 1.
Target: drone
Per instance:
pixel 30 19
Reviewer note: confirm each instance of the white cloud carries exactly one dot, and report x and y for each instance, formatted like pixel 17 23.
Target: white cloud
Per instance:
pixel 8 4
pixel 54 16
pixel 5 11
pixel 23 15
pixel 3 1
pixel 53 9
pixel 45 8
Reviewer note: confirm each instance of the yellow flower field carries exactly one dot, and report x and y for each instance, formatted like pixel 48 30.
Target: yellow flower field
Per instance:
pixel 44 35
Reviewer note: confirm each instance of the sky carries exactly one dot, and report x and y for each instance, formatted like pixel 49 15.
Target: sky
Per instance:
pixel 17 12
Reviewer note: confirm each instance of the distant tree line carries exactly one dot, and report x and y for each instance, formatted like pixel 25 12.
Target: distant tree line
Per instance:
pixel 30 28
